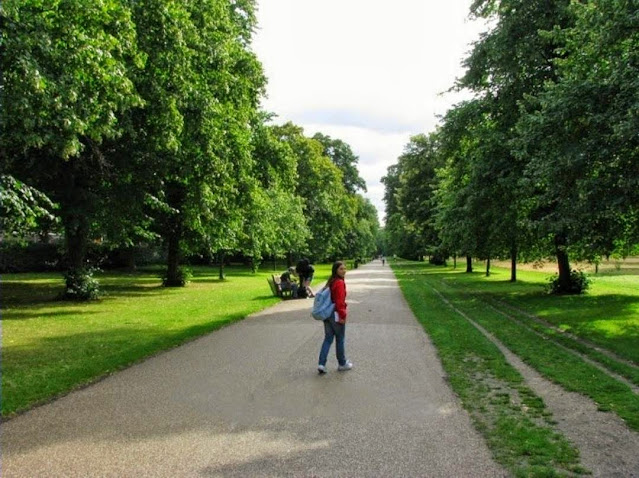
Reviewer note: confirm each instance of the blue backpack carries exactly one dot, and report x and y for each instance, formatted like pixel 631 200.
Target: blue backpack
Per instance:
pixel 323 306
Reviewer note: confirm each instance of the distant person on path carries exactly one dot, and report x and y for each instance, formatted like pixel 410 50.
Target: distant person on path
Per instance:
pixel 306 271
pixel 288 282
pixel 335 327
pixel 383 260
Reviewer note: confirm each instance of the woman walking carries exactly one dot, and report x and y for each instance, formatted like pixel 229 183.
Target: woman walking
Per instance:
pixel 335 327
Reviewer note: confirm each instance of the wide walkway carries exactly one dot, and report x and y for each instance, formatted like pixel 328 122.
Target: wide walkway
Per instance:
pixel 246 401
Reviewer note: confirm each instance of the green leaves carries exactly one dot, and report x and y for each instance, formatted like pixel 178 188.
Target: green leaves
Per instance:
pixel 546 150
pixel 24 209
pixel 343 157
pixel 141 120
pixel 579 138
pixel 65 74
pixel 331 211
pixel 545 158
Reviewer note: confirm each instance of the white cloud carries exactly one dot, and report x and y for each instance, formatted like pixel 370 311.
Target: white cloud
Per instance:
pixel 365 72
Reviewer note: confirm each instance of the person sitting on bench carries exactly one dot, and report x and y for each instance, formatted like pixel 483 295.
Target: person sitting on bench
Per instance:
pixel 289 282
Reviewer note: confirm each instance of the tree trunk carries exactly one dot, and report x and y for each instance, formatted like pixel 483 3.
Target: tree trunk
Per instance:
pixel 488 267
pixel 222 257
pixel 454 261
pixel 75 199
pixel 75 213
pixel 173 261
pixel 562 262
pixel 469 264
pixel 513 263
pixel 78 279
pixel 175 196
pixel 77 238
pixel 128 258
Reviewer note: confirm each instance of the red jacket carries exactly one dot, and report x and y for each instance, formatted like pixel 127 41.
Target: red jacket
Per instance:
pixel 338 296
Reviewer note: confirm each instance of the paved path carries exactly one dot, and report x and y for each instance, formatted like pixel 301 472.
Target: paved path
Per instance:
pixel 246 401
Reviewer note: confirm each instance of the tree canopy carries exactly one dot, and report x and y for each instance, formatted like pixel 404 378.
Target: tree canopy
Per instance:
pixel 542 160
pixel 139 122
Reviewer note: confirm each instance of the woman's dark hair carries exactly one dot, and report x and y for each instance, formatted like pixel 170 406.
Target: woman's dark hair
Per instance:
pixel 334 275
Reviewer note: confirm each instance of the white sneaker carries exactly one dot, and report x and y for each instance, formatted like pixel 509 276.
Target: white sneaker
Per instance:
pixel 321 369
pixel 347 366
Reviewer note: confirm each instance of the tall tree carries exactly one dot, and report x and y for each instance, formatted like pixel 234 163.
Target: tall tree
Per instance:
pixel 416 195
pixel 463 216
pixel 402 240
pixel 361 228
pixel 507 65
pixel 65 83
pixel 343 157
pixel 275 224
pixel 202 85
pixel 363 224
pixel 580 133
pixel 320 184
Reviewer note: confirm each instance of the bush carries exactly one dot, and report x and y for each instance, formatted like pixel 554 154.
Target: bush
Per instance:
pixel 184 275
pixel 579 283
pixel 81 285
pixel 437 260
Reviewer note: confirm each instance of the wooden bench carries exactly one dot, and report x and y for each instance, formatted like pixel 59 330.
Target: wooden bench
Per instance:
pixel 275 283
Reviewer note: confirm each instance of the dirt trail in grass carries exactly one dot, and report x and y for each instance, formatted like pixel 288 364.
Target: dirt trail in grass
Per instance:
pixel 607 446
pixel 246 401
pixel 587 344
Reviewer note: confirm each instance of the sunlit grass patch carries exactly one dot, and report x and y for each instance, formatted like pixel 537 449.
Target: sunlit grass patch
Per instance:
pixel 607 315
pixel 50 346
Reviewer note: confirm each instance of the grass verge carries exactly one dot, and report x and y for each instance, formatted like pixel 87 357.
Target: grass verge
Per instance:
pixel 606 316
pixel 514 420
pixel 548 357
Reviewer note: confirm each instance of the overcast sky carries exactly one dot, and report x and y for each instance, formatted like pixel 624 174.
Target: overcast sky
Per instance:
pixel 368 73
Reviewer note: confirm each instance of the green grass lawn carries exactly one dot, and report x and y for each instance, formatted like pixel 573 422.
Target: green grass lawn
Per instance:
pixel 602 324
pixel 50 347
pixel 607 315
pixel 517 426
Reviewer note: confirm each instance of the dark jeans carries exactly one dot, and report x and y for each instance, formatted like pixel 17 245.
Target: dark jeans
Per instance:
pixel 337 330
pixel 292 286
